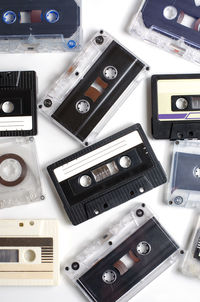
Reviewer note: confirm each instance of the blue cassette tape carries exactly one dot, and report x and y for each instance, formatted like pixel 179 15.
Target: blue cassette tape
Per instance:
pixel 173 25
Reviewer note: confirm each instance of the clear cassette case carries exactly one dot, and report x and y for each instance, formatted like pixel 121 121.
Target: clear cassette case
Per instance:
pixel 19 172
pixel 125 259
pixel 93 88
pixel 171 25
pixel 191 262
pixel 40 26
pixel 184 189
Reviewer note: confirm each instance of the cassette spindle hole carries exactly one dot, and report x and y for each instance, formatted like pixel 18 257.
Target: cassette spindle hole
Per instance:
pixel 125 162
pixel 10 170
pixel 170 12
pixel 143 248
pixel 82 106
pixel 85 181
pixel 9 17
pixel 30 255
pixel 197 172
pixel 7 107
pixel 181 103
pixel 110 72
pixel 52 16
pixel 109 277
pixel 99 40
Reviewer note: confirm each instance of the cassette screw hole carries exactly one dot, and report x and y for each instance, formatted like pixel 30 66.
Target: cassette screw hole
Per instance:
pixel 182 252
pixel 170 12
pixel 42 197
pixel 125 162
pixel 170 202
pixel 147 68
pixel 77 73
pixel 110 242
pixel 139 212
pixel 101 32
pixel 109 277
pixel 86 144
pixel 99 40
pixel 141 190
pixel 143 248
pixel 7 107
pixel 131 193
pixel 96 212
pixel 105 205
pixel 21 224
pixel 66 268
pixel 40 106
pixel 75 266
pixel 143 205
pixel 177 143
pixel 178 200
pixel 191 134
pixel 179 135
pixel 31 223
pixel 47 103
pixel 29 255
pixel 85 181
pixel 110 72
pixel 82 106
pixel 181 103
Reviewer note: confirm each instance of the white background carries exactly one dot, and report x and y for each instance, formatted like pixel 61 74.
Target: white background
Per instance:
pixel 112 16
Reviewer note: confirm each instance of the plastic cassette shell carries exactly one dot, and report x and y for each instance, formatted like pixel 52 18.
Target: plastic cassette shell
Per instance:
pixel 173 35
pixel 183 187
pixel 29 252
pixel 18 88
pixel 190 265
pixel 93 88
pixel 119 184
pixel 19 172
pixel 107 254
pixel 168 121
pixel 35 26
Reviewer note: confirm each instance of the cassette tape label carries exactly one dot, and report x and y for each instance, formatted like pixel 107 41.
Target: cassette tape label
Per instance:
pixel 119 264
pixel 90 181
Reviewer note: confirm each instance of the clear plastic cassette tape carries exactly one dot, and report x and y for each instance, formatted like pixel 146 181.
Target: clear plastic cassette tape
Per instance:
pixel 29 252
pixel 191 262
pixel 40 26
pixel 19 172
pixel 184 189
pixel 92 89
pixel 125 259
pixel 172 25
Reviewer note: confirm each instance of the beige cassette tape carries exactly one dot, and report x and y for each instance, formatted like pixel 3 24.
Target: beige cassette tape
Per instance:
pixel 28 252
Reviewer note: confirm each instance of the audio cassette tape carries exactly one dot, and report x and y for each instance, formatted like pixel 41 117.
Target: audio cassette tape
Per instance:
pixel 184 188
pixel 172 25
pixel 125 259
pixel 40 26
pixel 90 91
pixel 18 103
pixel 176 106
pixel 106 174
pixel 19 172
pixel 28 252
pixel 191 262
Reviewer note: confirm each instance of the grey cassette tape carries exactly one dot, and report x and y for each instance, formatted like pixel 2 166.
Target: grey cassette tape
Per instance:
pixel 125 259
pixel 191 262
pixel 29 252
pixel 184 189
pixel 19 172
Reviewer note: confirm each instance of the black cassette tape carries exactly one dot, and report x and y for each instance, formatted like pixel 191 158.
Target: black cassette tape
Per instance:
pixel 18 103
pixel 125 259
pixel 87 95
pixel 33 22
pixel 106 174
pixel 176 106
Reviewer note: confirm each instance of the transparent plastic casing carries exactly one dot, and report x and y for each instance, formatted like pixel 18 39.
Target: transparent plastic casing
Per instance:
pixel 75 73
pixel 40 43
pixel 176 46
pixel 190 265
pixel 183 188
pixel 29 189
pixel 117 234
